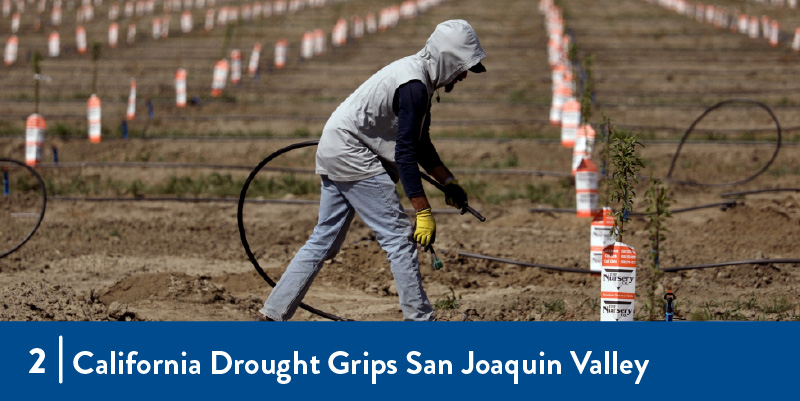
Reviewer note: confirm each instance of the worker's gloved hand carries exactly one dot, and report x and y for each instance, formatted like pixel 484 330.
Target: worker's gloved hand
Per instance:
pixel 425 231
pixel 454 195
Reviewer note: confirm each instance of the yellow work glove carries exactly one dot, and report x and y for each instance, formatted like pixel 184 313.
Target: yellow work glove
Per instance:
pixel 454 195
pixel 425 231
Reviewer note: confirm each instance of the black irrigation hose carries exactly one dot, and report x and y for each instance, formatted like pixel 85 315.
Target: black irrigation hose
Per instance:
pixel 697 121
pixel 243 235
pixel 182 200
pixel 168 165
pixel 759 191
pixel 41 212
pixel 724 206
pixel 666 270
pixel 733 263
pixel 278 169
pixel 526 264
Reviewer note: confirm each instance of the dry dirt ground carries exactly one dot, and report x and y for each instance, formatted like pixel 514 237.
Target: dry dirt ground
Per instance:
pixel 166 260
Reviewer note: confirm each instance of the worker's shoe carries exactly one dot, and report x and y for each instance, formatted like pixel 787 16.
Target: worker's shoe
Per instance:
pixel 262 318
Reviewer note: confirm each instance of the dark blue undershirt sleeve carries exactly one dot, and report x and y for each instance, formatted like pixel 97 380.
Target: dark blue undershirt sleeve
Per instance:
pixel 427 156
pixel 412 106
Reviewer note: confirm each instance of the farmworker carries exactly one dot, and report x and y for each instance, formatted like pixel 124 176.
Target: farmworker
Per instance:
pixel 376 136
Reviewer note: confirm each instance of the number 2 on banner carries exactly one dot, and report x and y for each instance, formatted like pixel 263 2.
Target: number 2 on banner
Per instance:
pixel 36 368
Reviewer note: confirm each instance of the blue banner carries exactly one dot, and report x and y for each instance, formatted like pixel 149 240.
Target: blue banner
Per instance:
pixel 397 360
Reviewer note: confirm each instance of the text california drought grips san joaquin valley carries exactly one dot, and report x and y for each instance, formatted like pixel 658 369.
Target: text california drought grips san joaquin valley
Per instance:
pixel 341 362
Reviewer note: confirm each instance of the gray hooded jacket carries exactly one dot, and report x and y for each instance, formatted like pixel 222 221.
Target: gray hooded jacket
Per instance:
pixel 358 140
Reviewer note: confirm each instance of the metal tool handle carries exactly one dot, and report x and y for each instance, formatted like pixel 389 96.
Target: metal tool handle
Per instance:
pixel 465 209
pixel 468 208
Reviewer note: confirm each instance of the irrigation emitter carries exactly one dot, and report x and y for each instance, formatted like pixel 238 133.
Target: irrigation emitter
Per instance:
pixel 670 298
pixel 6 190
pixel 436 263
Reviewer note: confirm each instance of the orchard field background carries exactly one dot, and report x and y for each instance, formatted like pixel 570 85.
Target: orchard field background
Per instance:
pixel 656 71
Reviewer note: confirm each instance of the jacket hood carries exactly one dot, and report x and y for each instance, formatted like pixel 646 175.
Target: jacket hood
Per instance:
pixel 452 49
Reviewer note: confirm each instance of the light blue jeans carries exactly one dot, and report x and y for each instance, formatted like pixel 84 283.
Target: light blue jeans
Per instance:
pixel 376 201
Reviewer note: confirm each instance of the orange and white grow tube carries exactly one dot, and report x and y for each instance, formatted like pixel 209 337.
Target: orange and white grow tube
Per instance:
pixel 139 8
pixel 231 15
pixel 339 34
pixel 570 121
pixel 236 66
pixel 131 38
pixel 113 11
pixel 796 41
pixel 180 87
pixel 54 44
pixel 319 42
pixel 209 19
pixel 80 39
pixel 618 283
pixel 710 14
pixel 34 139
pixel 586 181
pixel 383 19
pixel 186 22
pixel 156 27
pixel 94 116
pixel 84 14
pixel 247 12
pixel 130 113
pixel 742 24
pixel 774 33
pixel 88 12
pixel 560 96
pixel 279 7
pixel 307 46
pixel 554 55
pixel 557 74
pixel 699 12
pixel 165 22
pixel 113 35
pixel 371 23
pixel 55 16
pixel 10 55
pixel 280 53
pixel 408 9
pixel 255 56
pixel 15 22
pixel 579 149
pixel 220 76
pixel 753 30
pixel 358 27
pixel 590 136
pixel 600 233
